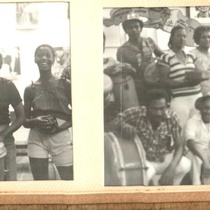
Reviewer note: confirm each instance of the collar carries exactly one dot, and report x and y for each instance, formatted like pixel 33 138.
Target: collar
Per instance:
pixel 172 53
pixel 129 44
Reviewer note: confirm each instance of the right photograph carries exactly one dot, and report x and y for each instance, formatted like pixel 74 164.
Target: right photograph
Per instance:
pixel 156 70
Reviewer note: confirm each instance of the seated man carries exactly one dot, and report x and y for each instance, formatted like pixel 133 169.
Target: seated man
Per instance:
pixel 159 131
pixel 197 135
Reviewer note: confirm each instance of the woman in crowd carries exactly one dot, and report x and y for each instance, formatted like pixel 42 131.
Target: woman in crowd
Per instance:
pixel 9 95
pixel 48 115
pixel 202 39
pixel 137 51
pixel 174 66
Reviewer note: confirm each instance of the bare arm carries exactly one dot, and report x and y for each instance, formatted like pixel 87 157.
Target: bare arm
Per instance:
pixel 19 120
pixel 30 122
pixel 168 175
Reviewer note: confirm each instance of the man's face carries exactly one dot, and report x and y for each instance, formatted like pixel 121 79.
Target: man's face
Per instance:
pixel 156 110
pixel 133 29
pixel 205 111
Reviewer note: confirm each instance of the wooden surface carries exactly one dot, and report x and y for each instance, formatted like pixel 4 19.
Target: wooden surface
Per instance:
pixel 165 206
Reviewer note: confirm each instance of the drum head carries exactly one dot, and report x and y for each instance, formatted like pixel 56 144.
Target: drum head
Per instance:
pixel 124 161
pixel 151 73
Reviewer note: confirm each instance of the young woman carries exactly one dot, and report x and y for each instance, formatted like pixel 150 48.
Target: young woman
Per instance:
pixel 202 52
pixel 48 115
pixel 173 69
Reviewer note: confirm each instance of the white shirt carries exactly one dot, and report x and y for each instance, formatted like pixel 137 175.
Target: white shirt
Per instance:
pixel 198 131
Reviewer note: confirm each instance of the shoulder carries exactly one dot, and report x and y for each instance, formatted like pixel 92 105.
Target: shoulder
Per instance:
pixel 5 81
pixel 123 46
pixel 65 84
pixel 192 54
pixel 29 89
pixel 136 109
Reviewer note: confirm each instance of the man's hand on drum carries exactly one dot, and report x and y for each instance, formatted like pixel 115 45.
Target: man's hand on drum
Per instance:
pixel 128 131
pixel 167 177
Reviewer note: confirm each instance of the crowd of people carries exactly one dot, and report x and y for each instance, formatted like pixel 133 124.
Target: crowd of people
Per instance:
pixel 46 111
pixel 172 117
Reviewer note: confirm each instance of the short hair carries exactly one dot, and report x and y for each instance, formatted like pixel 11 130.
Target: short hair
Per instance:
pixel 156 94
pixel 45 45
pixel 174 29
pixel 198 33
pixel 126 23
pixel 200 101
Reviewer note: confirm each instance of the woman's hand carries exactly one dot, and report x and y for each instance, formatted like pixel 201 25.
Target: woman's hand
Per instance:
pixel 41 121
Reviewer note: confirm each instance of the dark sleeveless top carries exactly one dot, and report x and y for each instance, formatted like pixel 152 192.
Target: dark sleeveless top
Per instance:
pixel 54 99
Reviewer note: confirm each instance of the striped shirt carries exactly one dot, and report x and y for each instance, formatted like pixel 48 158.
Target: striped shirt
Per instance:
pixel 178 70
pixel 157 144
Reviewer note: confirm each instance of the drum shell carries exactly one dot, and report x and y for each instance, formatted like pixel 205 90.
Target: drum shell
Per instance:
pixel 124 165
pixel 124 91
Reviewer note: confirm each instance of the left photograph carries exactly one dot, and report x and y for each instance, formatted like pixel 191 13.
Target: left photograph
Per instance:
pixel 35 95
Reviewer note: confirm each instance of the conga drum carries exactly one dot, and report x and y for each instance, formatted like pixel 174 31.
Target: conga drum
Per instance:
pixel 124 161
pixel 124 91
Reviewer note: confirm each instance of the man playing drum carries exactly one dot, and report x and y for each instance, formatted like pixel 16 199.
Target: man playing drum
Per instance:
pixel 159 131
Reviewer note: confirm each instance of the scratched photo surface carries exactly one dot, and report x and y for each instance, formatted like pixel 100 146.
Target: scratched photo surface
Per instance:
pixel 35 79
pixel 156 69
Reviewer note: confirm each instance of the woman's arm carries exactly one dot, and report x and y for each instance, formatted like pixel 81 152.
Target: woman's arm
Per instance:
pixel 29 122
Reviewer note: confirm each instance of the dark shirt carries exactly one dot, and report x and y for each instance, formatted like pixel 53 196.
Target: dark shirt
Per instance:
pixel 9 95
pixel 53 99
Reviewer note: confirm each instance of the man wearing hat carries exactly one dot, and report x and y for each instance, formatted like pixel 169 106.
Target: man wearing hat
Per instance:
pixel 137 51
pixel 197 135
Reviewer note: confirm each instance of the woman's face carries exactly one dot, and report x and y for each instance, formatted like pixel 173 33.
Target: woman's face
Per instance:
pixel 179 38
pixel 205 39
pixel 44 58
pixel 133 29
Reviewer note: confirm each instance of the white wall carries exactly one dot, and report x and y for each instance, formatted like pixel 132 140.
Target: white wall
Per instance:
pixel 53 29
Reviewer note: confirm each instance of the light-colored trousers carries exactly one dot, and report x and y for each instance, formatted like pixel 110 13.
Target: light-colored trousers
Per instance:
pixel 155 170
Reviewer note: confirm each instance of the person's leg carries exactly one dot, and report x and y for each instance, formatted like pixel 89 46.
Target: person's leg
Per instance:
pixel 10 162
pixel 61 152
pixel 150 173
pixel 195 171
pixel 39 168
pixel 181 170
pixel 65 172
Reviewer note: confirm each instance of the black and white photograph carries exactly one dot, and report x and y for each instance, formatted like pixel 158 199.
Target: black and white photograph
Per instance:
pixel 156 69
pixel 35 96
